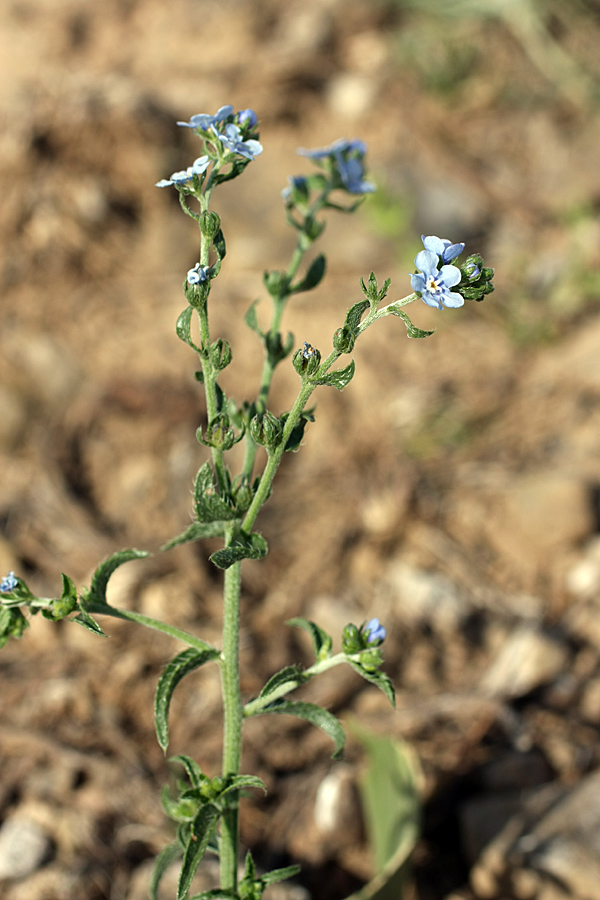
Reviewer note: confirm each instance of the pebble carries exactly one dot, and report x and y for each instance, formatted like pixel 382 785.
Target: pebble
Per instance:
pixel 528 659
pixel 23 848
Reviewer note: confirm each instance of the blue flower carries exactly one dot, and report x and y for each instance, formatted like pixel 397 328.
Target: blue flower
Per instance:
pixel 197 275
pixel 8 583
pixel 204 121
pixel 247 117
pixel 232 140
pixel 446 249
pixel 199 166
pixel 348 158
pixel 433 284
pixel 295 183
pixel 374 632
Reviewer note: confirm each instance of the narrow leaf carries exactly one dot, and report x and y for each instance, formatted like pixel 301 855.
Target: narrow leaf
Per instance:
pixel 380 679
pixel 183 327
pixel 196 532
pixel 292 675
pixel 97 591
pixel 90 624
pixel 277 875
pixel 177 669
pixel 219 244
pixel 338 379
pixel 243 781
pixel 313 277
pixel 355 314
pixel 252 546
pixel 322 642
pixel 202 828
pixel 316 716
pixel 164 859
pixel 192 769
pixel 251 320
pixel 411 330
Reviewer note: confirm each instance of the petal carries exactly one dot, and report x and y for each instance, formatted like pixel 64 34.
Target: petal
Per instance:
pixel 223 112
pixel 450 276
pixel 427 261
pixel 417 282
pixel 453 300
pixel 451 251
pixel 163 183
pixel 431 300
pixel 255 147
pixel 433 243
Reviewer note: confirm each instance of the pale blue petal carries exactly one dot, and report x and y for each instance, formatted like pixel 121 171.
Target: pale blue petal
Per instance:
pixel 450 276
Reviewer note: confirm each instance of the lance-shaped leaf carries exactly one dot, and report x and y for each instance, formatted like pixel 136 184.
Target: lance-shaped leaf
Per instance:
pixel 338 379
pixel 240 782
pixel 195 532
pixel 219 244
pixel 192 769
pixel 316 716
pixel 411 330
pixel 183 328
pixel 243 546
pixel 177 669
pixel 200 834
pixel 162 862
pixel 355 314
pixel 293 676
pixel 380 679
pixel 210 507
pixel 84 619
pixel 322 642
pixel 97 591
pixel 313 277
pixel 251 320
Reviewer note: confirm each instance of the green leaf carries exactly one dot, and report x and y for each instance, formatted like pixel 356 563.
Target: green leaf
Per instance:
pixel 219 244
pixel 195 532
pixel 293 674
pixel 183 327
pixel 243 546
pixel 313 714
pixel 391 794
pixel 177 669
pixel 313 277
pixel 69 591
pixel 338 379
pixel 380 679
pixel 355 314
pixel 90 624
pixel 411 330
pixel 276 875
pixel 297 434
pixel 162 862
pixel 322 642
pixel 251 320
pixel 192 769
pixel 210 507
pixel 240 782
pixel 97 591
pixel 202 828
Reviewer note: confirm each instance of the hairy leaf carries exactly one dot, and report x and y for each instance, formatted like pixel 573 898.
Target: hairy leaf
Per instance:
pixel 338 379
pixel 162 862
pixel 252 546
pixel 411 330
pixel 97 591
pixel 380 679
pixel 201 831
pixel 322 642
pixel 196 532
pixel 177 669
pixel 316 716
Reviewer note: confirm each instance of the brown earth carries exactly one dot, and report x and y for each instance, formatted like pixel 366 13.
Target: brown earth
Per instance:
pixel 452 489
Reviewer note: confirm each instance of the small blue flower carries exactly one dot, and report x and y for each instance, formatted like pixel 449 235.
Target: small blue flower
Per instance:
pixel 295 183
pixel 247 117
pixel 374 632
pixel 433 284
pixel 232 140
pixel 198 274
pixel 444 248
pixel 8 583
pixel 348 157
pixel 204 121
pixel 199 166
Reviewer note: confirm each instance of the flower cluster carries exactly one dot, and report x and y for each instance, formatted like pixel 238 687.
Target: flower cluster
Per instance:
pixel 437 275
pixel 197 274
pixel 346 159
pixel 8 583
pixel 234 134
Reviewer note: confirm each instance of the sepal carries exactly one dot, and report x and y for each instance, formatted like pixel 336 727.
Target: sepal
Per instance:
pixel 373 294
pixel 266 430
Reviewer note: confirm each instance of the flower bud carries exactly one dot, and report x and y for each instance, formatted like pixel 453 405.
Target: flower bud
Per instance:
pixel 276 283
pixel 343 340
pixel 307 360
pixel 351 639
pixel 266 430
pixel 209 224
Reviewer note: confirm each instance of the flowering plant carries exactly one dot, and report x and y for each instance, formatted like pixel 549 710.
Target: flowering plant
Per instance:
pixel 227 504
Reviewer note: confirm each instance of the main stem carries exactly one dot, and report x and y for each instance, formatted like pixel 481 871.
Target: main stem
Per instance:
pixel 232 726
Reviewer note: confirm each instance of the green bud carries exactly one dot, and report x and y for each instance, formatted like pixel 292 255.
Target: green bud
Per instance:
pixel 220 354
pixel 266 430
pixel 306 361
pixel 197 294
pixel 371 659
pixel 209 224
pixel 219 433
pixel 351 639
pixel 243 496
pixel 276 283
pixel 476 279
pixel 343 340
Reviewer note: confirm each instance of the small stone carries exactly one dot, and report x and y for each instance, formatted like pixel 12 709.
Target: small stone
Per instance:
pixel 528 659
pixel 23 848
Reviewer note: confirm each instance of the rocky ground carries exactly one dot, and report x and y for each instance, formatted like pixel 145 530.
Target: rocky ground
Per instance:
pixel 453 489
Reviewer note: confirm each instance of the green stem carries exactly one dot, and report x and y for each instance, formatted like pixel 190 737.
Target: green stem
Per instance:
pixel 232 724
pixel 104 609
pixel 255 706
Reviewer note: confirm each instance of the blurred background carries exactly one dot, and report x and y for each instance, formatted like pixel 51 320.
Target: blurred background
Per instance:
pixel 452 490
